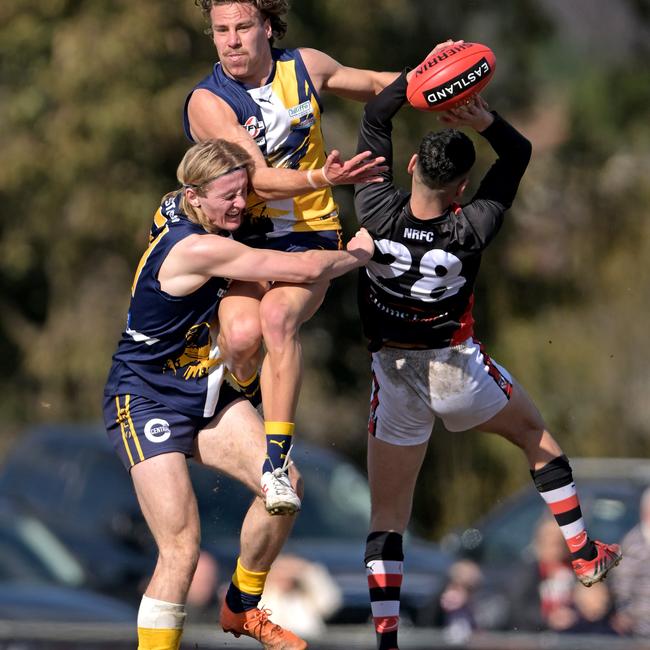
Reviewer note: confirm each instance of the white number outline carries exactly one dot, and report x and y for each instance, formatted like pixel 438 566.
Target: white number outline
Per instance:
pixel 432 264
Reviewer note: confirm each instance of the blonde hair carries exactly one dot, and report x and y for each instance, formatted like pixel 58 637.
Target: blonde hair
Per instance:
pixel 203 163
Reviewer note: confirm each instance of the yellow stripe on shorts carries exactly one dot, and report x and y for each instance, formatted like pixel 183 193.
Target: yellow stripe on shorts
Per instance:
pixel 133 431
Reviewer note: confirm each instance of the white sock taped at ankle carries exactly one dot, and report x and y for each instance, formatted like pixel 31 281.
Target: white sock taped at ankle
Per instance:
pixel 160 615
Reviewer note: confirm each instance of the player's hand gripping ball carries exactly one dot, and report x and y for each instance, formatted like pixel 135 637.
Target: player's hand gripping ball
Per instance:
pixel 450 76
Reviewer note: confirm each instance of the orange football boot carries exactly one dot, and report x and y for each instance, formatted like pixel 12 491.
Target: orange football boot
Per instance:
pixel 256 624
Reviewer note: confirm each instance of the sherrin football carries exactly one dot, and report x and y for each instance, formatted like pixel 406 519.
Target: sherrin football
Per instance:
pixel 450 76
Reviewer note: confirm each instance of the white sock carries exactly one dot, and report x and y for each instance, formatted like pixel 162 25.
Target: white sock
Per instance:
pixel 159 614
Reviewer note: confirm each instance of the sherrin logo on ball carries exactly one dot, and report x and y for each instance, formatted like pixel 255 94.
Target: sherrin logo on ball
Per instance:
pixel 450 77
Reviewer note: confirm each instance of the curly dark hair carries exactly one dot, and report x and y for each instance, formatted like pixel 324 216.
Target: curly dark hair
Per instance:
pixel 444 156
pixel 274 10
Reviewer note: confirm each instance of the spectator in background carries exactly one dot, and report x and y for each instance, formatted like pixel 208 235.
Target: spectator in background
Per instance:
pixel 594 610
pixel 457 601
pixel 302 593
pixel 631 588
pixel 542 596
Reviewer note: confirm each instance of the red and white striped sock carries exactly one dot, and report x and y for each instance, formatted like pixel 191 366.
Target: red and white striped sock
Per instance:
pixel 384 570
pixel 555 484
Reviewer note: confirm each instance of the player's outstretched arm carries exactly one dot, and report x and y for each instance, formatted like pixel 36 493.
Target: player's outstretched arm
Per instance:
pixel 501 182
pixel 351 83
pixel 211 118
pixel 197 258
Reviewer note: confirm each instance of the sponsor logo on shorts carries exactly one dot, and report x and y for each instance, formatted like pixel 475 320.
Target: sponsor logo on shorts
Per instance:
pixel 157 430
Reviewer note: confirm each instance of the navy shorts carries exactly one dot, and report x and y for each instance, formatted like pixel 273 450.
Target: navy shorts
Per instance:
pixel 327 240
pixel 140 428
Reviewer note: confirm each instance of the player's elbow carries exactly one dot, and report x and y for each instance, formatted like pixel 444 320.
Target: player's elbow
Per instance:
pixel 266 193
pixel 313 267
pixel 264 183
pixel 312 272
pixel 525 150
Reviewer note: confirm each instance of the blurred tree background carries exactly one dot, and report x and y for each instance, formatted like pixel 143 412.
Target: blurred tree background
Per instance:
pixel 91 97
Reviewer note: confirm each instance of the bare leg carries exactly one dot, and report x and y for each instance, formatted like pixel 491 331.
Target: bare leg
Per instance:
pixel 169 507
pixel 392 473
pixel 234 443
pixel 240 332
pixel 522 424
pixel 282 311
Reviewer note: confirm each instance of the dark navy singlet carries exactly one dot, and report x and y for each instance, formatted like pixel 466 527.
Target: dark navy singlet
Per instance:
pixel 168 350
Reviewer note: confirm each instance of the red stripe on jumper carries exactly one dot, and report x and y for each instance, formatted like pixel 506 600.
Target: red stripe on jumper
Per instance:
pixel 466 328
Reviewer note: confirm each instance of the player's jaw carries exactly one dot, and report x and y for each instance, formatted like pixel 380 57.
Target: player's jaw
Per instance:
pixel 232 219
pixel 237 64
pixel 245 65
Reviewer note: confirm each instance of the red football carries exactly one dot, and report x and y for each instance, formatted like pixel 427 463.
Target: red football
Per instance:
pixel 450 76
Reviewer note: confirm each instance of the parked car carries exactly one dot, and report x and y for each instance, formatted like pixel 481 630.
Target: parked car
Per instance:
pixel 71 477
pixel 40 580
pixel 72 481
pixel 610 491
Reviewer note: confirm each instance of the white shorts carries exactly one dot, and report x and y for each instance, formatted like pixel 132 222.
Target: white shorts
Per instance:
pixel 410 388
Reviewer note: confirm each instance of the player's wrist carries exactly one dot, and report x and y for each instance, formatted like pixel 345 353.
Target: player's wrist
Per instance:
pixel 487 123
pixel 318 179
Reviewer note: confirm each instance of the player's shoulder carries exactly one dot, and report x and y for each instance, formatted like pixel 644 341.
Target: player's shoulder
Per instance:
pixel 315 60
pixel 170 215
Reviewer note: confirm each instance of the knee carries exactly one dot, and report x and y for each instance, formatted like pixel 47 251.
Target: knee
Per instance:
pixel 528 434
pixel 181 551
pixel 279 323
pixel 242 337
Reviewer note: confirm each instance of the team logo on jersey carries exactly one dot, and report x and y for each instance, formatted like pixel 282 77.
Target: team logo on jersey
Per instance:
pixel 195 361
pixel 157 430
pixel 421 235
pixel 254 127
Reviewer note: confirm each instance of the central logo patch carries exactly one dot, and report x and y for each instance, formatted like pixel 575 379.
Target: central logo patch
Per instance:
pixel 157 430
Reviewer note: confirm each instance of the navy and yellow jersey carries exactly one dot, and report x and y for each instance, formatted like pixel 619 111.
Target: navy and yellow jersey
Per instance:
pixel 284 118
pixel 168 351
pixel 169 212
